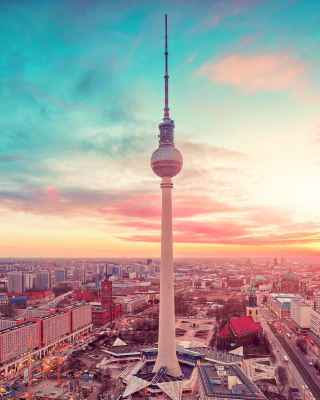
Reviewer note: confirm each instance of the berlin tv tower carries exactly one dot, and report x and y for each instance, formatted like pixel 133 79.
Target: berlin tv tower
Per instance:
pixel 166 162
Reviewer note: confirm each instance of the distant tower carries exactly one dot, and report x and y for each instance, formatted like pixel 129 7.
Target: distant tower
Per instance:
pixel 166 162
pixel 97 286
pixel 252 308
pixel 106 294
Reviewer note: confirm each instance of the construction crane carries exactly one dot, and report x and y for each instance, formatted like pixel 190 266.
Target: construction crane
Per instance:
pixel 29 395
pixel 59 365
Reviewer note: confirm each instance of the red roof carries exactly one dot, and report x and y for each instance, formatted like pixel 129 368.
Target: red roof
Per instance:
pixel 244 325
pixel 48 293
pixel 35 295
pixel 240 326
pixel 226 331
pixel 84 296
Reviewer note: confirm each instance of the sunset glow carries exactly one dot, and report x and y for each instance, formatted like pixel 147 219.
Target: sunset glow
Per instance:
pixel 81 97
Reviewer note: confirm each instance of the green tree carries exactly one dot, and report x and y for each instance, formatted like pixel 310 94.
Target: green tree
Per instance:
pixel 202 300
pixel 8 310
pixel 282 378
pixel 302 344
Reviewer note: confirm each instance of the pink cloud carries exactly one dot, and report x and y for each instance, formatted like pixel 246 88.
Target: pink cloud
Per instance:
pixel 250 39
pixel 53 194
pixel 229 234
pixel 149 207
pixel 271 71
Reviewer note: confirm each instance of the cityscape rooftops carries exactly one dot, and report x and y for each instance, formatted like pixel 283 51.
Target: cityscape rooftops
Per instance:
pixel 53 315
pixel 12 328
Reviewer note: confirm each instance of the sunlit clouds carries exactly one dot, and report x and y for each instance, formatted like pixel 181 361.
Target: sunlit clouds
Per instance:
pixel 273 71
pixel 81 97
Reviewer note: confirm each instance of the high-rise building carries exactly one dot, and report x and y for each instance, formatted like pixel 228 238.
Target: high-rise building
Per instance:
pixel 60 275
pixel 79 274
pixel 300 313
pixel 315 322
pixel 149 261
pixel 97 285
pixel 316 300
pixel 14 282
pixel 13 340
pixel 110 269
pixel 167 162
pixel 43 280
pixel 117 270
pixel 27 282
pixel 152 269
pixel 275 261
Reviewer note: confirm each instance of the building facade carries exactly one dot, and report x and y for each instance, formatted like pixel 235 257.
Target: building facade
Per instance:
pixel 15 340
pixel 54 326
pixel 79 274
pixel 300 312
pixel 315 322
pixel 60 275
pixel 14 282
pixel 43 280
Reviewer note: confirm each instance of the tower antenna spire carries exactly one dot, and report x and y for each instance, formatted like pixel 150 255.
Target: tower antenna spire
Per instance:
pixel 166 77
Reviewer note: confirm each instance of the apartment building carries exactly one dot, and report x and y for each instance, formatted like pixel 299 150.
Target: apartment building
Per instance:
pixel 316 299
pixel 37 312
pixel 15 340
pixel 79 316
pixel 8 323
pixel 60 275
pixel 300 313
pixel 54 326
pixel 315 322
pixel 14 282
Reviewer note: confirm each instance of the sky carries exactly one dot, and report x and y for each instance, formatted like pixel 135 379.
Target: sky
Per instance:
pixel 81 97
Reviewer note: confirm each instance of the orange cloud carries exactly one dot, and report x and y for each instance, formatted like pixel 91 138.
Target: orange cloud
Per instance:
pixel 272 71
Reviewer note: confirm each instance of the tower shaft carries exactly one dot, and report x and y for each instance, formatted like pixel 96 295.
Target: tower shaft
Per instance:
pixel 166 343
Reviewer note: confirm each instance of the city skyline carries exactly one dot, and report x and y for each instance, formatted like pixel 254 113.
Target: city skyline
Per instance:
pixel 81 99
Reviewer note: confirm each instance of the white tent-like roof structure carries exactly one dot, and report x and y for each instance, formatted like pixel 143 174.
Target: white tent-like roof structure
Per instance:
pixel 172 389
pixel 119 342
pixel 238 351
pixel 134 385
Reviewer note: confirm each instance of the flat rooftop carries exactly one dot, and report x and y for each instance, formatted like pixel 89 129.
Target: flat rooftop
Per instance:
pixel 53 315
pixel 12 328
pixel 227 381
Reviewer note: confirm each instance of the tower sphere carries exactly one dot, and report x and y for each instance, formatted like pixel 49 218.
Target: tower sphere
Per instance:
pixel 166 161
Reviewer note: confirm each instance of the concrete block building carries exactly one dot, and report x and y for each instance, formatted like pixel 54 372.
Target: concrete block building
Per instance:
pixel 300 313
pixel 15 340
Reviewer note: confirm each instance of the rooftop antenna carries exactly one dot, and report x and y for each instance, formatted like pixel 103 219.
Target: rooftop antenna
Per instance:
pixel 166 77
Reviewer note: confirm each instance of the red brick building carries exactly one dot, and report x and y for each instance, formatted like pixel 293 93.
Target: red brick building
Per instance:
pixel 240 331
pixel 109 311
